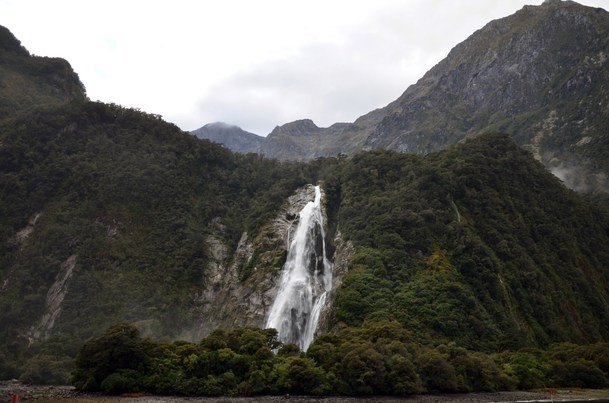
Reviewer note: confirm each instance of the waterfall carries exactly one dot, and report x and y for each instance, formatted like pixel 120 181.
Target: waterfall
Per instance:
pixel 306 278
pixel 456 211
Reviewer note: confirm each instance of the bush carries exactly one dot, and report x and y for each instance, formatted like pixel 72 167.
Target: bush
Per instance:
pixel 301 376
pixel 122 382
pixel 47 370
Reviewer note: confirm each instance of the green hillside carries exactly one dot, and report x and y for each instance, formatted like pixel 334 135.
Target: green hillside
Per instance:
pixel 130 198
pixel 478 244
pixel 111 215
pixel 27 80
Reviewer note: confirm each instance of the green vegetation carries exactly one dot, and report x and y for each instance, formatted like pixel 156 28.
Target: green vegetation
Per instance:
pixel 475 269
pixel 377 359
pixel 453 246
pixel 478 244
pixel 133 198
pixel 28 81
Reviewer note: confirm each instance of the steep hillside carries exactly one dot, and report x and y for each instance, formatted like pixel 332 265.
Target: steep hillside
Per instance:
pixel 233 137
pixel 110 214
pixel 27 80
pixel 540 75
pixel 478 244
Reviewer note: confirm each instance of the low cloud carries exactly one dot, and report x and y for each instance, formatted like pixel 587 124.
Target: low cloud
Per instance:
pixel 581 179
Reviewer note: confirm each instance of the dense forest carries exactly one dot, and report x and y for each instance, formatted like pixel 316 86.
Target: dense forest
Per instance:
pixel 454 252
pixel 133 198
pixel 464 245
pixel 473 268
pixel 380 358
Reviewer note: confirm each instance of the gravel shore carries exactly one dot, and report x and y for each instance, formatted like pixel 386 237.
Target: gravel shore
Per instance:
pixel 67 394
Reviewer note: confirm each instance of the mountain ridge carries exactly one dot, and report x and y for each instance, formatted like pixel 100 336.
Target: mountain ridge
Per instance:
pixel 539 75
pixel 110 214
pixel 28 81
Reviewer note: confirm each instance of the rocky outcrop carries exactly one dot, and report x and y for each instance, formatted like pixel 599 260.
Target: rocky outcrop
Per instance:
pixel 23 233
pixel 54 299
pixel 342 260
pixel 241 286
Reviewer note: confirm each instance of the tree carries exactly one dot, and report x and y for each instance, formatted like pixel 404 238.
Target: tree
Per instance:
pixel 437 374
pixel 402 377
pixel 120 348
pixel 301 376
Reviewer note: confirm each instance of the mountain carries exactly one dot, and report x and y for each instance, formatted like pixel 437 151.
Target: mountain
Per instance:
pixel 110 215
pixel 28 80
pixel 458 245
pixel 232 137
pixel 540 75
pixel 301 140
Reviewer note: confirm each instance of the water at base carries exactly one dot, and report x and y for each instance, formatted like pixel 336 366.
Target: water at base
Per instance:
pixel 305 281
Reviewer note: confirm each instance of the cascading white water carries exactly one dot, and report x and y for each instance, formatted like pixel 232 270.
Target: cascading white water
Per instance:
pixel 306 278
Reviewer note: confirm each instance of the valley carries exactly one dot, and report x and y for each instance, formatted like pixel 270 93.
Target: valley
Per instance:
pixel 454 241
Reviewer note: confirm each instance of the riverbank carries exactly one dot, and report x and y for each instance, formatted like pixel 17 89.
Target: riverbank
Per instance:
pixel 67 394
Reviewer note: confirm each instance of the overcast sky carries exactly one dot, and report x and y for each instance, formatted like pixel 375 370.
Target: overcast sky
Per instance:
pixel 255 64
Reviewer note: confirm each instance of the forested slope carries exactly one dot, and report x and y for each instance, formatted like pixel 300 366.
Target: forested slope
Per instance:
pixel 478 244
pixel 106 209
pixel 111 215
pixel 27 81
pixel 104 216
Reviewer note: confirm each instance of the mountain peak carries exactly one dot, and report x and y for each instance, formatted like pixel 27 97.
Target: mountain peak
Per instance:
pixel 297 128
pixel 9 43
pixel 231 136
pixel 221 126
pixel 540 75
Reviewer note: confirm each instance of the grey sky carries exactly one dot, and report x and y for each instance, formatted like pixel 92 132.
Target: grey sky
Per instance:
pixel 255 64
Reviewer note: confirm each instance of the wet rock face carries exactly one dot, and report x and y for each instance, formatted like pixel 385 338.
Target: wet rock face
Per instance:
pixel 286 220
pixel 342 259
pixel 55 297
pixel 241 286
pixel 317 263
